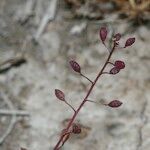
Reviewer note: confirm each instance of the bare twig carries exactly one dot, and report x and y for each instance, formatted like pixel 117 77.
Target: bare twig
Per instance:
pixel 12 62
pixel 29 7
pixel 49 16
pixel 144 5
pixel 13 112
pixel 26 12
pixel 77 29
pixel 144 121
pixel 13 120
pixel 132 3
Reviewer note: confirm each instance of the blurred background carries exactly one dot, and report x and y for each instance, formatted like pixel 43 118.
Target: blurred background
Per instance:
pixel 38 38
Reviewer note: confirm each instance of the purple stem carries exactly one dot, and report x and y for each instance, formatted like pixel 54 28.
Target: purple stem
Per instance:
pixel 86 97
pixel 70 106
pixel 86 78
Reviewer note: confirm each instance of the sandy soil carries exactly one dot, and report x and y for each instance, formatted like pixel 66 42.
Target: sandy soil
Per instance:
pixel 30 86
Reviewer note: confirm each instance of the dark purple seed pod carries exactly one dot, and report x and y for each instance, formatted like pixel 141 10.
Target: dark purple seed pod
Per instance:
pixel 114 70
pixel 117 37
pixel 75 66
pixel 103 33
pixel 60 95
pixel 129 42
pixel 115 103
pixel 119 64
pixel 76 129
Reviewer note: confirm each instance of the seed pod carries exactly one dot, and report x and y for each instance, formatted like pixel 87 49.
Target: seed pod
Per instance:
pixel 114 70
pixel 119 64
pixel 103 34
pixel 117 37
pixel 75 66
pixel 115 103
pixel 129 42
pixel 76 129
pixel 60 95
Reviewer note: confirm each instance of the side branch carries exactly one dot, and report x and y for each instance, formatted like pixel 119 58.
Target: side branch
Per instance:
pixel 86 78
pixel 86 97
pixel 70 106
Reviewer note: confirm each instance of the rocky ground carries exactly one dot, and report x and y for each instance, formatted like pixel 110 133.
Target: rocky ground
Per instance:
pixel 33 64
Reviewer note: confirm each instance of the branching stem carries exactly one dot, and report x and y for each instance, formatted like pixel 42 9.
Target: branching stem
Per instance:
pixel 86 97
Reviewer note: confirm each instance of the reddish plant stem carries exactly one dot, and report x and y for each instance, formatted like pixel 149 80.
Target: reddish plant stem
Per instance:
pixel 106 73
pixel 111 63
pixel 86 97
pixel 91 101
pixel 86 77
pixel 70 106
pixel 95 102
